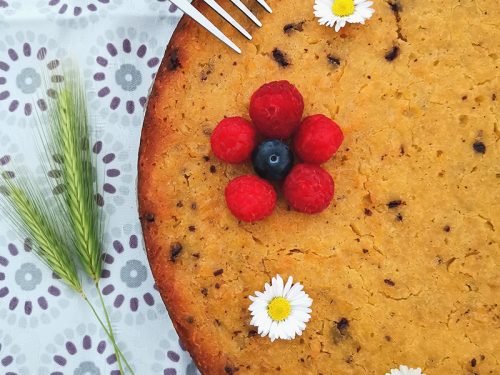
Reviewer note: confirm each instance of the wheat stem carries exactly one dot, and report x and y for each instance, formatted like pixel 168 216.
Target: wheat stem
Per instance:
pixel 110 328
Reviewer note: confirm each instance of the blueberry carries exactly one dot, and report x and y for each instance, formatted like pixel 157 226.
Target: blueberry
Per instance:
pixel 272 160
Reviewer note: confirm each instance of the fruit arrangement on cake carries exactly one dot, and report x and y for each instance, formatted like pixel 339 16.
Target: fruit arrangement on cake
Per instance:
pixel 327 202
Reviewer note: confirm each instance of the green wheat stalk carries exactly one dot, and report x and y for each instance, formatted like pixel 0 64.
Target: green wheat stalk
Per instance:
pixel 33 217
pixel 68 138
pixel 68 230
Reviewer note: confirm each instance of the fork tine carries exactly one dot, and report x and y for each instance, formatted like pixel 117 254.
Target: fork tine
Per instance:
pixel 247 12
pixel 205 22
pixel 265 5
pixel 216 7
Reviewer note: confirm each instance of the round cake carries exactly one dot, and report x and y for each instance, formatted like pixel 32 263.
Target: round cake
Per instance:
pixel 404 266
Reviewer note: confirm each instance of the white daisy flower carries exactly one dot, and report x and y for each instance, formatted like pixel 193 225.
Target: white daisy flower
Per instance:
pixel 340 12
pixel 281 311
pixel 404 370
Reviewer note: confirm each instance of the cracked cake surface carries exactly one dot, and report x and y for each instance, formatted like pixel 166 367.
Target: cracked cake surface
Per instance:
pixel 403 267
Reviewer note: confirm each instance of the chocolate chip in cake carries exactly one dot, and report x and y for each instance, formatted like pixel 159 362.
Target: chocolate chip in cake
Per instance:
pixel 333 60
pixel 343 325
pixel 368 212
pixel 150 218
pixel 280 58
pixel 464 97
pixel 401 150
pixel 175 251
pixel 389 282
pixel 493 97
pixel 387 338
pixel 213 169
pixel 204 291
pixel 446 228
pixel 395 203
pixel 194 206
pixel 230 370
pixel 173 61
pixel 399 217
pixel 392 54
pixel 479 147
pixel 180 204
pixel 473 362
pixel 252 333
pixel 395 6
pixel 217 286
pixel 218 272
pixel 206 158
pixel 290 27
pixel 365 251
pixel 196 255
pixel 192 228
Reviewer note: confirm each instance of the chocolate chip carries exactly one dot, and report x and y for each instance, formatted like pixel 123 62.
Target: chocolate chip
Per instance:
pixel 368 212
pixel 343 325
pixel 479 147
pixel 365 251
pixel 206 158
pixel 230 370
pixel 180 204
pixel 446 228
pixel 399 217
pixel 175 251
pixel 395 6
pixel 280 58
pixel 392 54
pixel 204 291
pixel 218 272
pixel 173 61
pixel 493 97
pixel 387 338
pixel 192 228
pixel 464 97
pixel 194 206
pixel 213 169
pixel 473 362
pixel 333 60
pixel 389 282
pixel 395 203
pixel 252 333
pixel 402 150
pixel 289 27
pixel 217 286
pixel 196 255
pixel 150 218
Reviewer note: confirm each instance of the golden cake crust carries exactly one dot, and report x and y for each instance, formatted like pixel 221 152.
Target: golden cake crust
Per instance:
pixel 403 267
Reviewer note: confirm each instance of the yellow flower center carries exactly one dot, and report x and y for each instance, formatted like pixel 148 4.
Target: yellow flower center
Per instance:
pixel 343 8
pixel 279 309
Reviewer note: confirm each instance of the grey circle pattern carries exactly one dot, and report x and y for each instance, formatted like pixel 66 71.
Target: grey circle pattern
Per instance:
pixel 87 368
pixel 28 81
pixel 133 273
pixel 128 77
pixel 28 276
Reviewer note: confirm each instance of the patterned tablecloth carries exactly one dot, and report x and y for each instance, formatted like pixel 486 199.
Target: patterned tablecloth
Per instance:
pixel 118 44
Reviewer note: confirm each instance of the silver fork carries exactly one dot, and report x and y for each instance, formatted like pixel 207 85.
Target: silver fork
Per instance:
pixel 195 14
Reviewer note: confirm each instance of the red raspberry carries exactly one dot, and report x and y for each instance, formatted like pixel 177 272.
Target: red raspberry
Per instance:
pixel 317 139
pixel 250 198
pixel 308 188
pixel 276 109
pixel 233 140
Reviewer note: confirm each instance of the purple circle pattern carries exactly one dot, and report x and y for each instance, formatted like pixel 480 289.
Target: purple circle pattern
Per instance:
pixel 65 7
pixel 133 298
pixel 21 284
pixel 20 82
pixel 80 351
pixel 124 64
pixel 27 75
